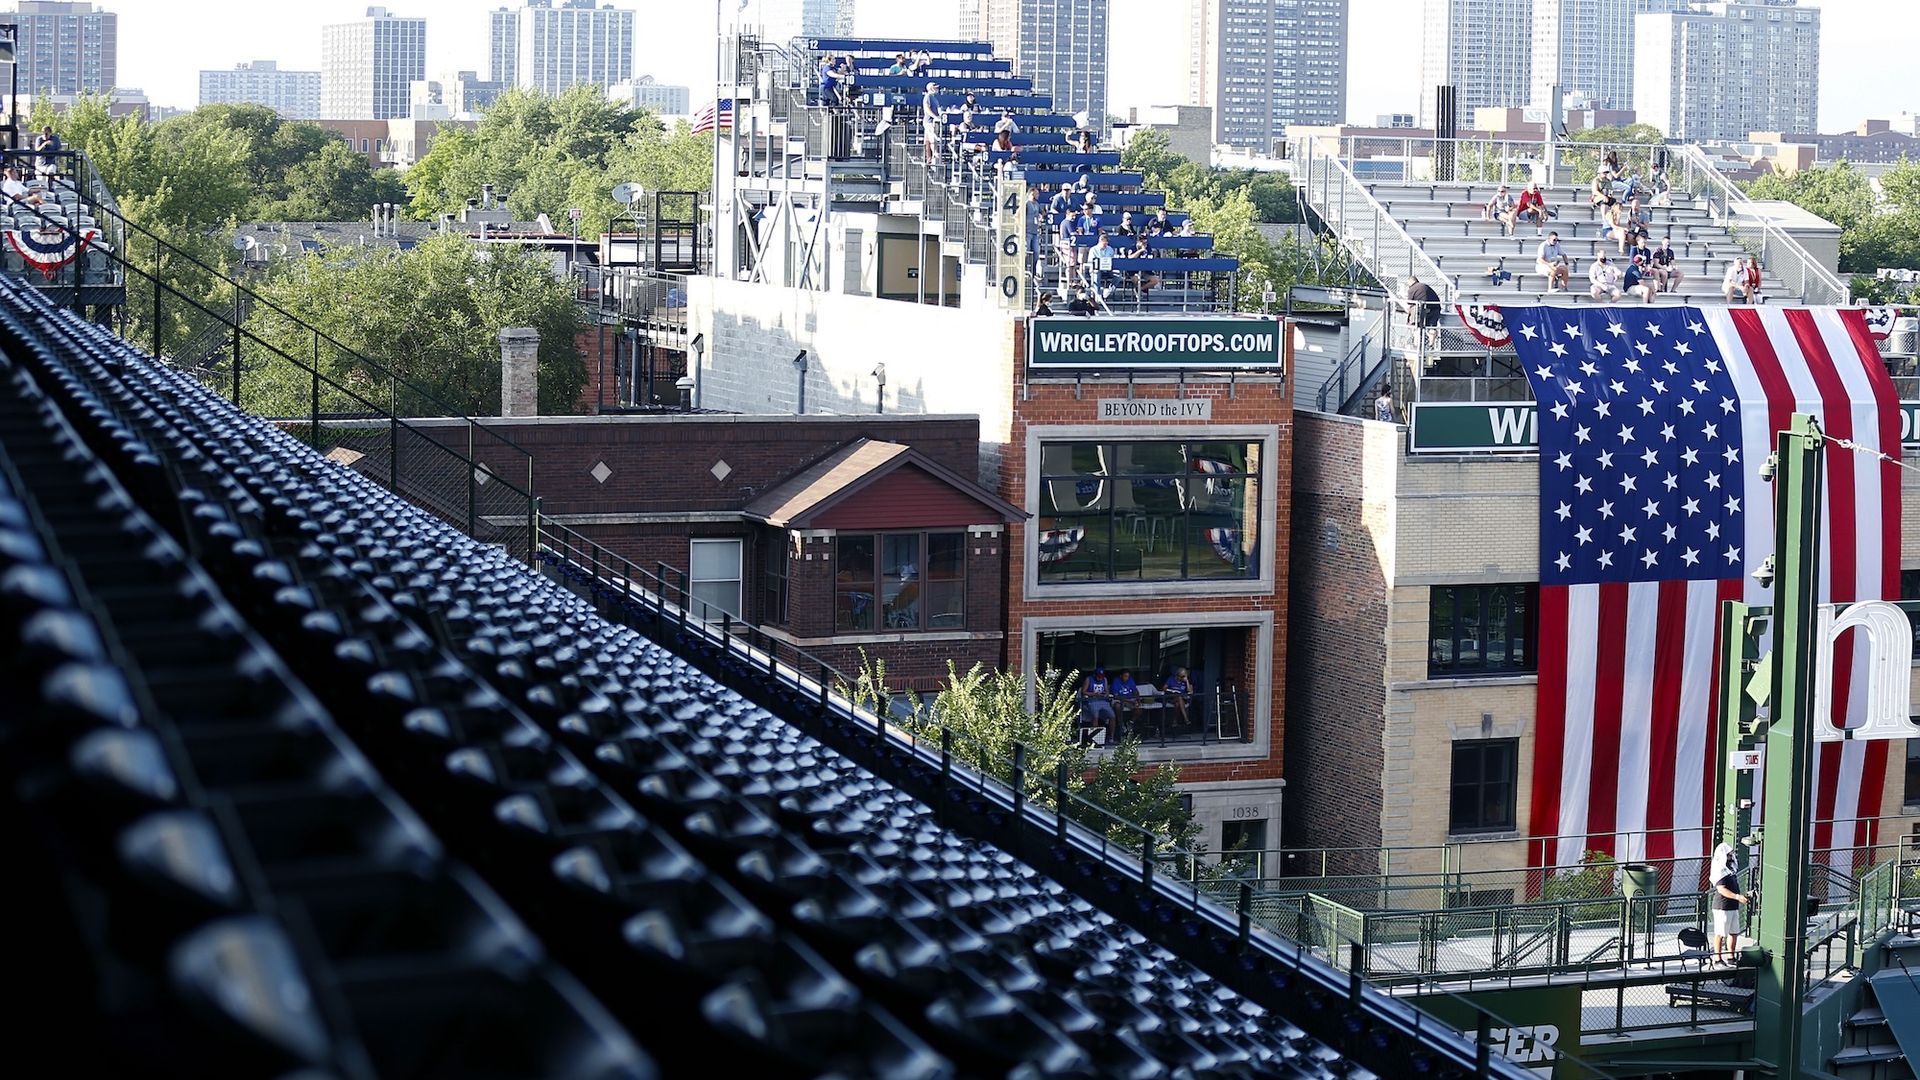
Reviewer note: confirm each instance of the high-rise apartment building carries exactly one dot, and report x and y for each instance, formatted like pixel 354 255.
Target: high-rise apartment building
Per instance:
pixel 65 48
pixel 293 94
pixel 1585 47
pixel 1484 48
pixel 552 45
pixel 655 97
pixel 783 20
pixel 1724 70
pixel 368 66
pixel 1265 64
pixel 1060 44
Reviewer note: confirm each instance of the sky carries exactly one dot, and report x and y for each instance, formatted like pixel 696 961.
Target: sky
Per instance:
pixel 164 44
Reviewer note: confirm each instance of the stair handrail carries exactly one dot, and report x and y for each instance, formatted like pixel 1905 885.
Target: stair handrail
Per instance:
pixel 1383 221
pixel 1340 373
pixel 1777 250
pixel 300 322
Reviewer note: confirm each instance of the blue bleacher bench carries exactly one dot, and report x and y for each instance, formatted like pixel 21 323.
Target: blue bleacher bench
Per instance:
pixel 1098 159
pixel 894 46
pixel 1156 243
pixel 1101 180
pixel 1123 200
pixel 1222 263
pixel 1020 138
pixel 990 109
pixel 882 63
pixel 952 82
pixel 1108 221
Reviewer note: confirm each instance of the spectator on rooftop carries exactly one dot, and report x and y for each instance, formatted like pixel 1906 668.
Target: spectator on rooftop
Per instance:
pixel 1639 250
pixel 1045 306
pixel 1083 306
pixel 1082 141
pixel 1659 190
pixel 1665 269
pixel 1423 310
pixel 1003 141
pixel 969 113
pixel 1532 204
pixel 1604 278
pixel 1161 225
pixel 1006 123
pixel 1141 249
pixel 1057 206
pixel 1090 209
pixel 922 62
pixel 1601 192
pixel 1102 257
pixel 1383 410
pixel 1497 206
pixel 1551 260
pixel 1753 278
pixel 1637 281
pixel 829 79
pixel 899 65
pixel 1066 243
pixel 1610 164
pixel 1127 228
pixel 930 121
pixel 1615 228
pixel 16 191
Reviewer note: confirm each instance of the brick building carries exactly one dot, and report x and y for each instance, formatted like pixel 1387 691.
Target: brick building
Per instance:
pixel 836 534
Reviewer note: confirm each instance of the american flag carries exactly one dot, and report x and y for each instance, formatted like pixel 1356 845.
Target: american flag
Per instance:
pixel 714 114
pixel 1654 424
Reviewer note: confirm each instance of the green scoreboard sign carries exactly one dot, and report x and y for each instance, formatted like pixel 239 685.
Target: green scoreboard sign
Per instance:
pixel 1211 343
pixel 1449 427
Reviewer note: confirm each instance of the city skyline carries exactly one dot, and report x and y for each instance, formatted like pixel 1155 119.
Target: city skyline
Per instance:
pixel 1382 77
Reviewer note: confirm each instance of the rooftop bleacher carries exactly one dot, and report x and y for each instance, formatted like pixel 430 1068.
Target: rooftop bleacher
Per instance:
pixel 958 191
pixel 323 785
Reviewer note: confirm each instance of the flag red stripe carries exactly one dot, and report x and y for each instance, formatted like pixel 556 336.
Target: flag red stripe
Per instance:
pixel 1610 664
pixel 1669 644
pixel 1549 725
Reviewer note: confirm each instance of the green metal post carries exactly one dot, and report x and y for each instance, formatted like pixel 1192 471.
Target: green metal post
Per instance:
pixel 236 347
pixel 1734 788
pixel 1789 742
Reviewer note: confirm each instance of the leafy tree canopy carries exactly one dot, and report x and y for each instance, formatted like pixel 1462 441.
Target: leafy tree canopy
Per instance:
pixel 546 154
pixel 431 315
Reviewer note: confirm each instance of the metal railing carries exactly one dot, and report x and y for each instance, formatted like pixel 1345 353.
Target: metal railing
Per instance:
pixel 1778 252
pixel 1351 212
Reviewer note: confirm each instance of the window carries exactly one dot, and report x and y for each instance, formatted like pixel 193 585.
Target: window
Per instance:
pixel 713 578
pixel 1149 511
pixel 1484 773
pixel 1480 630
pixel 900 581
pixel 1913 773
pixel 1243 846
pixel 773 579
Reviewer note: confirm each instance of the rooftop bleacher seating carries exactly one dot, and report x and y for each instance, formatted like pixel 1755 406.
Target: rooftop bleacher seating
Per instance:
pixel 327 787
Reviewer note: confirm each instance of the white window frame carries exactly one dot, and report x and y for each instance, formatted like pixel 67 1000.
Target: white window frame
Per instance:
pixel 701 607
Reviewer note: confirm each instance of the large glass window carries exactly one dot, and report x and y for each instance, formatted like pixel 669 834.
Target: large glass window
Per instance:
pixel 1485 774
pixel 900 581
pixel 1149 511
pixel 1480 630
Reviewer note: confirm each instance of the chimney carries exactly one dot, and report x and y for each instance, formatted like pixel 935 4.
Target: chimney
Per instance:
pixel 519 371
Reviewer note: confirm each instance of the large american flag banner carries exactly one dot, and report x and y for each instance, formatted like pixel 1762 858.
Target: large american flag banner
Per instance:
pixel 1654 423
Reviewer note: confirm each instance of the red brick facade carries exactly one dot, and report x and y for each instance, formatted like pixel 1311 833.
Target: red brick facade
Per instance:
pixel 1247 404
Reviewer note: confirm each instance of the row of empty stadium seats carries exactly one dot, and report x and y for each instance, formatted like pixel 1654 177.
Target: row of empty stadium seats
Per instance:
pixel 729 892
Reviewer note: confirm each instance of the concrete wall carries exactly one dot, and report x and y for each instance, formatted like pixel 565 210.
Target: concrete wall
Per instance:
pixel 946 360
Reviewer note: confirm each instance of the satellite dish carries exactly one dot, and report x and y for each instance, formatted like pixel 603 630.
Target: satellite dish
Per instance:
pixel 243 242
pixel 628 194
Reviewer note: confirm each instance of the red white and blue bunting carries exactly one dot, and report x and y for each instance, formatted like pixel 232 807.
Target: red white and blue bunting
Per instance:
pixel 49 249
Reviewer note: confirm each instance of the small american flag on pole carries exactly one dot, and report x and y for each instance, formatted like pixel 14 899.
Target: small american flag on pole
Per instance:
pixel 715 114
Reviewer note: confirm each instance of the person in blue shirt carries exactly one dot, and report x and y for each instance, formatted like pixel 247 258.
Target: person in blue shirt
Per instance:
pixel 1096 698
pixel 1638 282
pixel 1126 701
pixel 1177 691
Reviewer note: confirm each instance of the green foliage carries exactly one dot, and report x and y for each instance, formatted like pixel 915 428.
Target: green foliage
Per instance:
pixel 1484 162
pixel 431 315
pixel 1593 881
pixel 1631 142
pixel 988 712
pixel 546 154
pixel 1875 231
pixel 1230 205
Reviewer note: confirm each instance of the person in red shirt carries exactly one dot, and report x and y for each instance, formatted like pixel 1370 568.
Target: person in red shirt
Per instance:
pixel 1532 204
pixel 1753 279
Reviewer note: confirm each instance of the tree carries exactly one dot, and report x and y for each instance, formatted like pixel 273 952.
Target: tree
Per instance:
pixel 1873 234
pixel 988 713
pixel 431 315
pixel 334 184
pixel 548 154
pixel 1632 142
